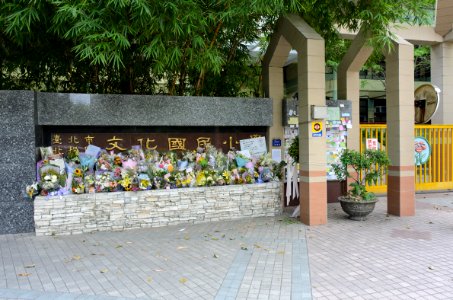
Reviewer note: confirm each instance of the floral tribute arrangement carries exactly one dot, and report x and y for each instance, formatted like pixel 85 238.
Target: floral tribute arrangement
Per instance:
pixel 96 170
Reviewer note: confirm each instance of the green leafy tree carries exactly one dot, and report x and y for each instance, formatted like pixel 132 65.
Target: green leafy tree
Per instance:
pixel 177 47
pixel 368 167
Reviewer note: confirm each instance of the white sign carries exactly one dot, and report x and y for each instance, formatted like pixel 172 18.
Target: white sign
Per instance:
pixel 277 155
pixel 256 146
pixel 372 144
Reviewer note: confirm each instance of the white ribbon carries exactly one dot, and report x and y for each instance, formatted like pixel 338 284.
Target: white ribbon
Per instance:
pixel 295 192
pixel 289 181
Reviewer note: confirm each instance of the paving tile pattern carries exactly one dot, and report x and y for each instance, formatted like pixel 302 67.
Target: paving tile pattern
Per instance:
pixel 244 259
pixel 385 257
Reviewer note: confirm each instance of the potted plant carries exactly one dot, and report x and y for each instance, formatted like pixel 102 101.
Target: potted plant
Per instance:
pixel 368 167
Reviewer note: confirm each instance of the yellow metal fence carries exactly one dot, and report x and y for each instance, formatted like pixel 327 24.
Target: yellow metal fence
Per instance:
pixel 437 172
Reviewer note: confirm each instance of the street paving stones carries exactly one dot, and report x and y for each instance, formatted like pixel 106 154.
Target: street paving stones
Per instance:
pixel 385 257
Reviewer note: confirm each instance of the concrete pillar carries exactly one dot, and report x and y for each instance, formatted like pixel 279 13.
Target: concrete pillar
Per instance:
pixel 442 76
pixel 312 150
pixel 293 32
pixel 400 129
pixel 349 83
pixel 273 83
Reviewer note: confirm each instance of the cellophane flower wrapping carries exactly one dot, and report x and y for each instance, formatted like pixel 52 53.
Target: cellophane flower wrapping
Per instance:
pixel 136 169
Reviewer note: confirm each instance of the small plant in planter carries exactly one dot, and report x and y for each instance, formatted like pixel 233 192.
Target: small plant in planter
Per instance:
pixel 368 167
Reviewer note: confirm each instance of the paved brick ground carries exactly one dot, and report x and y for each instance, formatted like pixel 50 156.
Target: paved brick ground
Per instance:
pixel 261 258
pixel 385 257
pixel 264 258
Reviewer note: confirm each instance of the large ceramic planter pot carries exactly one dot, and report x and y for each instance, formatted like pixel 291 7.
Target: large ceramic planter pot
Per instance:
pixel 357 210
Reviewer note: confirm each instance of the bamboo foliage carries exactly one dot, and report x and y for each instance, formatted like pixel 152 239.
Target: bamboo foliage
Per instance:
pixel 178 47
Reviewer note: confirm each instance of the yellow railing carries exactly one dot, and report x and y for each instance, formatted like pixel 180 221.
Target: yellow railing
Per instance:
pixel 437 172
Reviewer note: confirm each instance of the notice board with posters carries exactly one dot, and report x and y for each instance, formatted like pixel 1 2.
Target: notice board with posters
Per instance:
pixel 338 122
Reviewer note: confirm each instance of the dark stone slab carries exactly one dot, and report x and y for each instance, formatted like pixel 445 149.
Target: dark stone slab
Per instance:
pixel 16 217
pixel 141 110
pixel 17 146
pixel 17 160
pixel 16 179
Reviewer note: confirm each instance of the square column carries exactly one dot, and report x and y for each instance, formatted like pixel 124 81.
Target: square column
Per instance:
pixel 349 83
pixel 312 150
pixel 400 126
pixel 274 87
pixel 442 76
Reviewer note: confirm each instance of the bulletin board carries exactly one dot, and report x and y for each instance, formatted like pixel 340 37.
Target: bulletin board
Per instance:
pixel 336 125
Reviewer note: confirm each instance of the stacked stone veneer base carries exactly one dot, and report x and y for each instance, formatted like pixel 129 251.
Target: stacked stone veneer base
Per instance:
pixel 74 214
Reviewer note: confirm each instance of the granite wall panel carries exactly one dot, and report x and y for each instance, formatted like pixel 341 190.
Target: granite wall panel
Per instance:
pixel 157 110
pixel 17 160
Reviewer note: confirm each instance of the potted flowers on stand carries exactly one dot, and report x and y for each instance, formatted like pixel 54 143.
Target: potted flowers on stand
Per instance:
pixel 368 167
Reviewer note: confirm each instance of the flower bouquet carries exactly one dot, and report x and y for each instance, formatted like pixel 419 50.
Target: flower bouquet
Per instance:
pixel 136 170
pixel 51 182
pixel 78 185
pixel 90 183
pixel 32 190
pixel 128 181
pixel 144 182
pixel 104 182
pixel 87 161
pixel 241 160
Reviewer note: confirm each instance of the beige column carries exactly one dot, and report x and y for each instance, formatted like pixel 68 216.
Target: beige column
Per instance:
pixel 273 83
pixel 442 76
pixel 400 129
pixel 312 150
pixel 275 91
pixel 293 32
pixel 349 83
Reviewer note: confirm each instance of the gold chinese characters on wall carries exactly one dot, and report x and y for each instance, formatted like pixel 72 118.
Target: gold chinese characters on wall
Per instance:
pixel 61 142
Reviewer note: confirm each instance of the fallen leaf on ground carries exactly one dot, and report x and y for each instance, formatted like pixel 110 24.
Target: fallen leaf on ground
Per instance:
pixel 257 246
pixel 75 257
pixel 215 256
pixel 30 266
pixel 149 279
pixel 103 271
pixel 187 237
pixel 118 246
pixel 214 239
pixel 281 252
pixel 183 280
pixel 24 274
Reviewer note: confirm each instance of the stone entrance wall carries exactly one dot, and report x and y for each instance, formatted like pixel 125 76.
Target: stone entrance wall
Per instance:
pixel 75 214
pixel 26 117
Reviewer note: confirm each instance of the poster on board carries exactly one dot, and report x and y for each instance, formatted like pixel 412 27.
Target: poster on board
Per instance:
pixel 256 146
